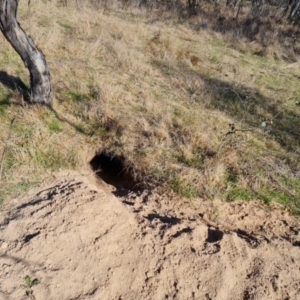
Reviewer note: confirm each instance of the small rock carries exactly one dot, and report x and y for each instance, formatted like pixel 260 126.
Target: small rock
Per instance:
pixel 4 246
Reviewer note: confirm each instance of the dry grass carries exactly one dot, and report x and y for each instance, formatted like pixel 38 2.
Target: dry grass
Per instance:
pixel 158 93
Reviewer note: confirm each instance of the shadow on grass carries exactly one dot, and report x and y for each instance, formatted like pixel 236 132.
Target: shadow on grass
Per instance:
pixel 14 84
pixel 250 110
pixel 80 128
pixel 247 106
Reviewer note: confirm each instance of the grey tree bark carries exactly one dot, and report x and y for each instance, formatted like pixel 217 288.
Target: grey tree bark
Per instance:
pixel 33 58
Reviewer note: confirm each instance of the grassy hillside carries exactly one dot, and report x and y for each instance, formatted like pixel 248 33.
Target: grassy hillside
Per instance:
pixel 183 107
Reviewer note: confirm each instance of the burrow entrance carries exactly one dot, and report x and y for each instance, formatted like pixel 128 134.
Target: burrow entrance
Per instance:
pixel 114 170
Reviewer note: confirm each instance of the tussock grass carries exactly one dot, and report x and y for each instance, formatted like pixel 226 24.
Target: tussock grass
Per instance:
pixel 185 109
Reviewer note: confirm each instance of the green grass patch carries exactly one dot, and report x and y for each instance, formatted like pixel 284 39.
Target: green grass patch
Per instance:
pixel 292 183
pixel 9 161
pixel 76 96
pixel 66 25
pixel 269 195
pixel 83 128
pixel 79 97
pixel 237 193
pixel 55 125
pixel 193 162
pixel 14 189
pixel 94 92
pixel 51 159
pixel 56 160
pixel 183 188
pixel 22 187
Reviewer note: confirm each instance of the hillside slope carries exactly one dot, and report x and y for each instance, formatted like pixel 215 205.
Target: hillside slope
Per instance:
pixel 194 138
pixel 180 107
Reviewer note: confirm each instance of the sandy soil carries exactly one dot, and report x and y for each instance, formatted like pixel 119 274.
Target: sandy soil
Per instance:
pixel 83 242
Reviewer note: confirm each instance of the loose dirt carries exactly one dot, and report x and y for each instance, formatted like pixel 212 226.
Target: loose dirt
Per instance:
pixel 83 242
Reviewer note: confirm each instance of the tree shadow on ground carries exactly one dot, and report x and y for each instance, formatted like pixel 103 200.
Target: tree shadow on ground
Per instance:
pixel 14 84
pixel 247 106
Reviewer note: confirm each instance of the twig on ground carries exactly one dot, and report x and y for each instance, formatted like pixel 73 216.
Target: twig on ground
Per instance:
pixel 231 131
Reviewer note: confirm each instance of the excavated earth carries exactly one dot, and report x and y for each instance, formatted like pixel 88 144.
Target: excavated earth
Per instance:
pixel 84 240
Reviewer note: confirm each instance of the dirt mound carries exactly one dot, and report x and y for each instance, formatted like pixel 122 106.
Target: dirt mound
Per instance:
pixel 82 242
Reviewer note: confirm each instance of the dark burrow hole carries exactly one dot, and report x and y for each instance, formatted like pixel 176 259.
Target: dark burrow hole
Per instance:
pixel 113 170
pixel 214 235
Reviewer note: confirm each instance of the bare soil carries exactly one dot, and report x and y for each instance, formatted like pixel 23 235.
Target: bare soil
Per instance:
pixel 83 242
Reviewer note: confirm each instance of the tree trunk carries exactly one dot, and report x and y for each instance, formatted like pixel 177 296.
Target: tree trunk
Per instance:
pixel 33 58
